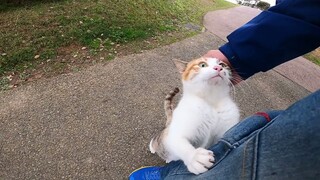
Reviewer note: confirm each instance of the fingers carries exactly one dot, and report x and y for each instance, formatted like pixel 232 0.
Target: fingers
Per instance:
pixel 236 78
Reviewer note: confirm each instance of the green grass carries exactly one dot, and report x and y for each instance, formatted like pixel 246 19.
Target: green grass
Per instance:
pixel 314 56
pixel 56 29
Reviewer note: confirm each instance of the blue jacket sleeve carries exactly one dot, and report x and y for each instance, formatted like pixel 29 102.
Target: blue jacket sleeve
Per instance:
pixel 283 32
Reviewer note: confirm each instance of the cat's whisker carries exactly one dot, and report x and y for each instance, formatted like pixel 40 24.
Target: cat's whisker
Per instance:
pixel 240 87
pixel 241 83
pixel 233 92
pixel 244 87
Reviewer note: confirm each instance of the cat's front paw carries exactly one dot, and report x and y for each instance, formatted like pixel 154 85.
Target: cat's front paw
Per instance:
pixel 200 161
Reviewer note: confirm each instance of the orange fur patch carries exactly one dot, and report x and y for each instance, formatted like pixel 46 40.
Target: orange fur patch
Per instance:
pixel 192 68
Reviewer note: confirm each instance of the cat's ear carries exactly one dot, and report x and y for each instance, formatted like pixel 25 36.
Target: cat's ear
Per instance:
pixel 181 65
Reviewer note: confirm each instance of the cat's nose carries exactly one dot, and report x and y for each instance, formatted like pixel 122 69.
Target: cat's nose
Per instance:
pixel 217 68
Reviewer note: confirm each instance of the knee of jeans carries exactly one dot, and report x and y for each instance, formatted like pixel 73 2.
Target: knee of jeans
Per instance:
pixel 249 125
pixel 299 122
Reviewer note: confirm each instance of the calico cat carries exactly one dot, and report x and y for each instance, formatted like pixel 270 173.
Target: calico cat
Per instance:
pixel 204 113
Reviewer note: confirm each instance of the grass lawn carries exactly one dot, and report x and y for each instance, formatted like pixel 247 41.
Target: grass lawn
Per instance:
pixel 44 38
pixel 314 56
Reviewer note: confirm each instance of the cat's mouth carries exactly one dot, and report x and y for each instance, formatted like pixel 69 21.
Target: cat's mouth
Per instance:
pixel 216 76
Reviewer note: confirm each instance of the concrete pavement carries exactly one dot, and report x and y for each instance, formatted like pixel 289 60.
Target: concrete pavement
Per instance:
pixel 97 123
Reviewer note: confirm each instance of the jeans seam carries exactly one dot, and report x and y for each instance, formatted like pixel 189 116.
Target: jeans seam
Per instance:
pixel 255 158
pixel 242 140
pixel 227 143
pixel 243 172
pixel 256 152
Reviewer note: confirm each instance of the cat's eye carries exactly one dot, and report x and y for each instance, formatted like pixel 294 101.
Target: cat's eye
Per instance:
pixel 223 65
pixel 202 65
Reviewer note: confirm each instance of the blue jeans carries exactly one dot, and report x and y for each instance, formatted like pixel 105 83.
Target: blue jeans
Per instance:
pixel 274 145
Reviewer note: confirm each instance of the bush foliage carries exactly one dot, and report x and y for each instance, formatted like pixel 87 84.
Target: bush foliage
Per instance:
pixel 263 5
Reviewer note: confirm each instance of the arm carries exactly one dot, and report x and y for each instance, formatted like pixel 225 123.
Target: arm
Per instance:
pixel 285 31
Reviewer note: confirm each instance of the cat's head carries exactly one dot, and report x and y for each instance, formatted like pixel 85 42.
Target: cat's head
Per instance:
pixel 209 71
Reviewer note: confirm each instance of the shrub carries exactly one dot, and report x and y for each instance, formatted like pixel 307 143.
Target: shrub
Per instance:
pixel 263 5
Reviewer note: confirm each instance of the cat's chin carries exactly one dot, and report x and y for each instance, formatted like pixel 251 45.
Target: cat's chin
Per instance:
pixel 215 80
pixel 216 77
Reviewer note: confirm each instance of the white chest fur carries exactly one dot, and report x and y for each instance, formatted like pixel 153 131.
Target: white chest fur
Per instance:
pixel 203 123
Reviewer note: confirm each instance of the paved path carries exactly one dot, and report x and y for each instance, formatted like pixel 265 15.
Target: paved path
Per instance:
pixel 96 124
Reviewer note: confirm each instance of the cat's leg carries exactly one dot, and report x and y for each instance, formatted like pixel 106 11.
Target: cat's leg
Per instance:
pixel 276 145
pixel 151 148
pixel 197 160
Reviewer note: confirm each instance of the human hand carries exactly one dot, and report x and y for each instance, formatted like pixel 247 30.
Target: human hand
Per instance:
pixel 219 55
